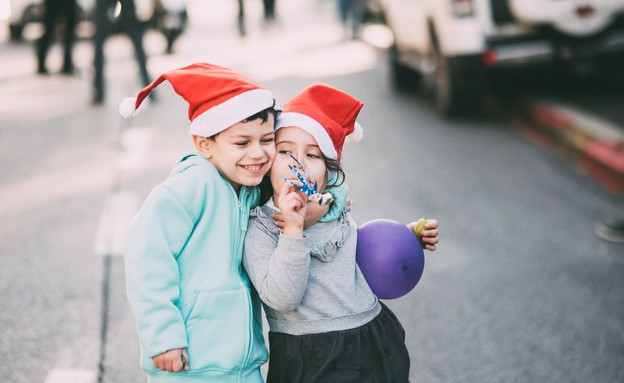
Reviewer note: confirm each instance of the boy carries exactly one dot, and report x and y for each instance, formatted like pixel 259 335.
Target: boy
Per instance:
pixel 197 318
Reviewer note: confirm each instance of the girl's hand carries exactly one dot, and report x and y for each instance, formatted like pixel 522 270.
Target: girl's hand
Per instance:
pixel 429 236
pixel 172 361
pixel 292 204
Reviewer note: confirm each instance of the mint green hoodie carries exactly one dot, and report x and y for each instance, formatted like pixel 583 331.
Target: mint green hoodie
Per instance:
pixel 185 282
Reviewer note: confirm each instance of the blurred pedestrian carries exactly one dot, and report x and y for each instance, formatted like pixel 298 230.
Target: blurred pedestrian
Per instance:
pixel 131 26
pixel 242 30
pixel 56 11
pixel 269 11
pixel 351 13
pixel 171 19
pixel 269 15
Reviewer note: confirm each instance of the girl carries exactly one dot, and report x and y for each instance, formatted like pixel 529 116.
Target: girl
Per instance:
pixel 326 325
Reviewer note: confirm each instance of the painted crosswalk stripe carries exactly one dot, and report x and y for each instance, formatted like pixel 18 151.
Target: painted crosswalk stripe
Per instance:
pixel 59 375
pixel 119 208
pixel 134 144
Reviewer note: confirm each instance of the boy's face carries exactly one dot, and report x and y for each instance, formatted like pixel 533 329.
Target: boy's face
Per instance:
pixel 301 145
pixel 242 153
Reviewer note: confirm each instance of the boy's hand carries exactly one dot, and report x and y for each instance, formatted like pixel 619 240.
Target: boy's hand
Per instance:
pixel 172 361
pixel 429 235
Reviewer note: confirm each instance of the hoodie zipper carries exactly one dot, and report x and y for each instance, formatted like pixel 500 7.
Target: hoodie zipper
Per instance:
pixel 244 219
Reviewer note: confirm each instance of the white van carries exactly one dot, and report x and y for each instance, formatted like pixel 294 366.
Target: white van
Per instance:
pixel 453 44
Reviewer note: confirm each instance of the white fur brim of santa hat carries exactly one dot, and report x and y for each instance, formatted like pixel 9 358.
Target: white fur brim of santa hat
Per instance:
pixel 316 130
pixel 218 97
pixel 230 112
pixel 219 117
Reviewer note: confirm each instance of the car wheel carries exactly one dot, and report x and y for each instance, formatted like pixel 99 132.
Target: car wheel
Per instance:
pixel 457 84
pixel 442 84
pixel 403 77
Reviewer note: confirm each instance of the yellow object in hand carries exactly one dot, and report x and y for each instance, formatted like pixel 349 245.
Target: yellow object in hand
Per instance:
pixel 419 227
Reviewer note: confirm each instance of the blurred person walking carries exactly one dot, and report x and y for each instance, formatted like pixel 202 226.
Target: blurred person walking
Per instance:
pixel 351 13
pixel 131 26
pixel 269 11
pixel 55 12
pixel 269 15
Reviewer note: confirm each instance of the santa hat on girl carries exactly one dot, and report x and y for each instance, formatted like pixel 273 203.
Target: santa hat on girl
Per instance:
pixel 327 113
pixel 218 97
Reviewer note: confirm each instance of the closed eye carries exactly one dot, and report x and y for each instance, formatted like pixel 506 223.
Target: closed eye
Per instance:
pixel 267 140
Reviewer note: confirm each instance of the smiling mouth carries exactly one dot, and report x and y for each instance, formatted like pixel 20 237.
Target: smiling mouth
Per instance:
pixel 257 168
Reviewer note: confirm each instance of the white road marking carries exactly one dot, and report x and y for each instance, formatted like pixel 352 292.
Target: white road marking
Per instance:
pixel 119 208
pixel 135 144
pixel 59 375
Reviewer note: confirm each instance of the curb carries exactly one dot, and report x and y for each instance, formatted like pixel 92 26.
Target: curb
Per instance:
pixel 595 143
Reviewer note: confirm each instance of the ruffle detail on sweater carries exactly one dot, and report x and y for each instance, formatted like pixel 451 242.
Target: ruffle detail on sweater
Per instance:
pixel 325 237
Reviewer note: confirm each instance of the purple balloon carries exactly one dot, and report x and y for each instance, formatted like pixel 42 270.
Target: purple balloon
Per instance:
pixel 390 256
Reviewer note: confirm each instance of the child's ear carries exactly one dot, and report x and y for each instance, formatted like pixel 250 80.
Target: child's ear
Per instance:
pixel 202 145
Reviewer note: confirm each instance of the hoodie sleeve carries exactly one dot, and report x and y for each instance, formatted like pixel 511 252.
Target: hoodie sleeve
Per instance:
pixel 155 239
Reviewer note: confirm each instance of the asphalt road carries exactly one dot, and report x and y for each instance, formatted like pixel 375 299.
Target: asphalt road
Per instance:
pixel 520 290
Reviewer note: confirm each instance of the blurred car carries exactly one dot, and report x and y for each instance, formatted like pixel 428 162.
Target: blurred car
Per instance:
pixel 167 16
pixel 453 45
pixel 20 13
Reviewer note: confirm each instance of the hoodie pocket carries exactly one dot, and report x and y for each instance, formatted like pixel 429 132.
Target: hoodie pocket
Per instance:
pixel 217 328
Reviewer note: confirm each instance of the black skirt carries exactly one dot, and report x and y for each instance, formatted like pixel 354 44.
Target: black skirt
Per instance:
pixel 373 353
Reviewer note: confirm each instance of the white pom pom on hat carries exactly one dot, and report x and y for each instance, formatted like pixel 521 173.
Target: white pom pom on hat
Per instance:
pixel 356 135
pixel 328 114
pixel 128 108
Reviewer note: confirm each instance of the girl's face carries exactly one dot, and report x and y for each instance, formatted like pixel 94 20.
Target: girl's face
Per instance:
pixel 301 145
pixel 243 153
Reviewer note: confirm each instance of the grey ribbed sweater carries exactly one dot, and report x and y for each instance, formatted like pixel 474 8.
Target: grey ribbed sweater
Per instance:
pixel 309 285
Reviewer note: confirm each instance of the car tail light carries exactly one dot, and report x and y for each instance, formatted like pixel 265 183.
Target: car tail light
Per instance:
pixel 489 58
pixel 462 8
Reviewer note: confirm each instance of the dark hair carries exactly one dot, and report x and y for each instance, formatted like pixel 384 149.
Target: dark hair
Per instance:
pixel 333 166
pixel 261 115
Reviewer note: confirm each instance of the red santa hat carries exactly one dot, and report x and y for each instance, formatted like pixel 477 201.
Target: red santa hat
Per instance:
pixel 327 113
pixel 218 97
